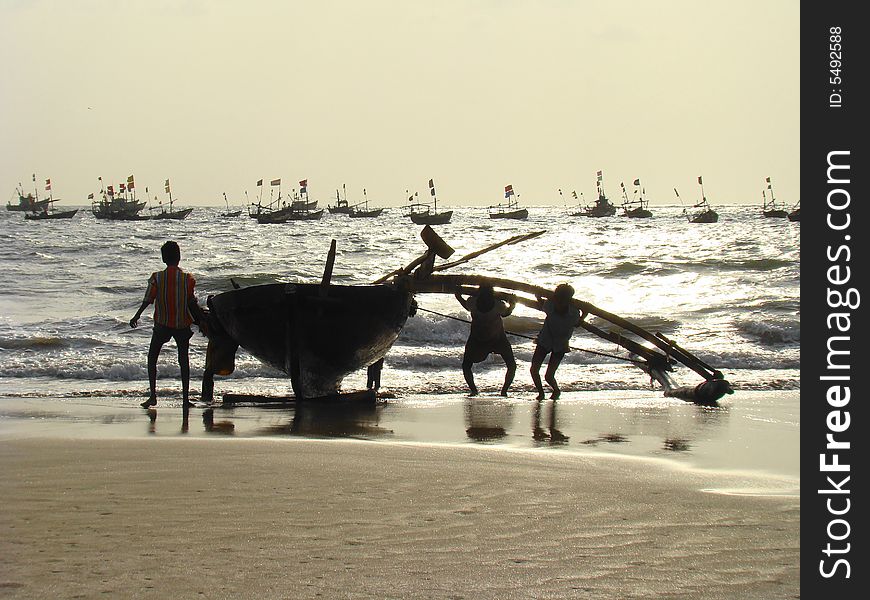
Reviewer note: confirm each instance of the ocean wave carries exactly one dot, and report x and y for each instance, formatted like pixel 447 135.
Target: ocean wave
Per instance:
pixel 771 333
pixel 48 342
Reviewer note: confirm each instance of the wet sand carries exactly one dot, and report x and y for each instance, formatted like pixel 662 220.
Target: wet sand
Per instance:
pixel 206 517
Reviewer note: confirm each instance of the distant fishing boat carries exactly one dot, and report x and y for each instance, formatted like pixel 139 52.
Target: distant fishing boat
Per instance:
pixel 48 211
pixel 230 213
pixel 365 212
pixel 30 202
pixel 770 208
pixel 795 214
pixel 122 206
pixel 423 214
pixel 602 206
pixel 705 213
pixel 638 206
pixel 171 214
pixel 510 209
pixel 341 206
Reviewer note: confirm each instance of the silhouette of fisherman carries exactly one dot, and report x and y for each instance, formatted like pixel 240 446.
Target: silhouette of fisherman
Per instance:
pixel 554 337
pixel 487 335
pixel 175 309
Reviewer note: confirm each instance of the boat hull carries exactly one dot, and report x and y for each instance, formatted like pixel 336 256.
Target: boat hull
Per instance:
pixel 638 213
pixel 58 214
pixel 432 218
pixel 708 216
pixel 778 214
pixel 362 214
pixel 315 334
pixel 512 214
pixel 795 215
pixel 177 215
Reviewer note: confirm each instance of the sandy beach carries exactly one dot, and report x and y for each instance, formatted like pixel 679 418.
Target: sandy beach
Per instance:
pixel 213 517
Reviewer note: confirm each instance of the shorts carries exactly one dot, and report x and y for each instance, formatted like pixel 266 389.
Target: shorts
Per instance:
pixel 477 350
pixel 163 334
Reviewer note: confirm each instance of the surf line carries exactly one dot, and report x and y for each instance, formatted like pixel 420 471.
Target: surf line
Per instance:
pixel 841 300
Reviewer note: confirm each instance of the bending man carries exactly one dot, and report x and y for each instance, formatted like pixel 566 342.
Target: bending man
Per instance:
pixel 487 335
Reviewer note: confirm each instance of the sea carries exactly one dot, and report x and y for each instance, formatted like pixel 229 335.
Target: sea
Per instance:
pixel 728 292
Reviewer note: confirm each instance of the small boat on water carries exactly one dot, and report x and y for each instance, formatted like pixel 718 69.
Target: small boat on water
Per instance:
pixel 48 211
pixel 602 206
pixel 230 213
pixel 364 212
pixel 171 214
pixel 31 202
pixel 704 212
pixel 423 214
pixel 341 206
pixel 510 209
pixel 638 206
pixel 770 208
pixel 795 214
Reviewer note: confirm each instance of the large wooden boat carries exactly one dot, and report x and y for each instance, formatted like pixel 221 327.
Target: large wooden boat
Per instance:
pixel 315 334
pixel 795 214
pixel 319 333
pixel 50 213
pixel 341 206
pixel 122 206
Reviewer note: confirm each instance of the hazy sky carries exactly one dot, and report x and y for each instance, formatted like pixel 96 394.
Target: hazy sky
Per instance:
pixel 384 94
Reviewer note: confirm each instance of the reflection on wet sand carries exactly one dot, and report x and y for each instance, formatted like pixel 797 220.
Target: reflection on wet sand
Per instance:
pixel 552 435
pixel 487 420
pixel 332 419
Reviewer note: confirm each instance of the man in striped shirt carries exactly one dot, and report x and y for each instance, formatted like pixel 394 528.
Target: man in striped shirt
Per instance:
pixel 175 306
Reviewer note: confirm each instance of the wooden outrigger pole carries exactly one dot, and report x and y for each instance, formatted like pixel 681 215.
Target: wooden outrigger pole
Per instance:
pixel 658 356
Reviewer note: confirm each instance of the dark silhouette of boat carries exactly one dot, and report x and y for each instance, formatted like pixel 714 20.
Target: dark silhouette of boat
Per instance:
pixel 638 206
pixel 365 212
pixel 230 213
pixel 770 208
pixel 705 212
pixel 341 206
pixel 795 214
pixel 28 203
pixel 122 206
pixel 319 333
pixel 49 213
pixel 602 206
pixel 423 214
pixel 316 334
pixel 509 210
pixel 171 214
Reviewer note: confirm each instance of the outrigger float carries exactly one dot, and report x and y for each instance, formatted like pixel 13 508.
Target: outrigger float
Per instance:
pixel 318 333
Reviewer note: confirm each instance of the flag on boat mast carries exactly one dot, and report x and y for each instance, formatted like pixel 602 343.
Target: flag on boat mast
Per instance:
pixel 431 187
pixel 259 182
pixel 599 175
pixel 110 190
pixel 48 185
pixel 123 187
pixel 508 191
pixel 303 186
pixel 91 196
pixel 637 182
pixel 768 182
pixel 275 182
pixel 166 186
pixel 700 181
pixel 574 193
pixel 130 183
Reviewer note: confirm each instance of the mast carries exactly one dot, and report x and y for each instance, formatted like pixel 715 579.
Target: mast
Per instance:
pixel 434 197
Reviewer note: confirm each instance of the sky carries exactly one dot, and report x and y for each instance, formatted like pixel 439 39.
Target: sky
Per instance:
pixel 383 95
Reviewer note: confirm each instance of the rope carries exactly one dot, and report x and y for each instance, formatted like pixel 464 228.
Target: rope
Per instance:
pixel 528 337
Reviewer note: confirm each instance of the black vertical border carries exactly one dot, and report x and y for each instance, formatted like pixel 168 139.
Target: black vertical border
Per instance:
pixel 825 129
